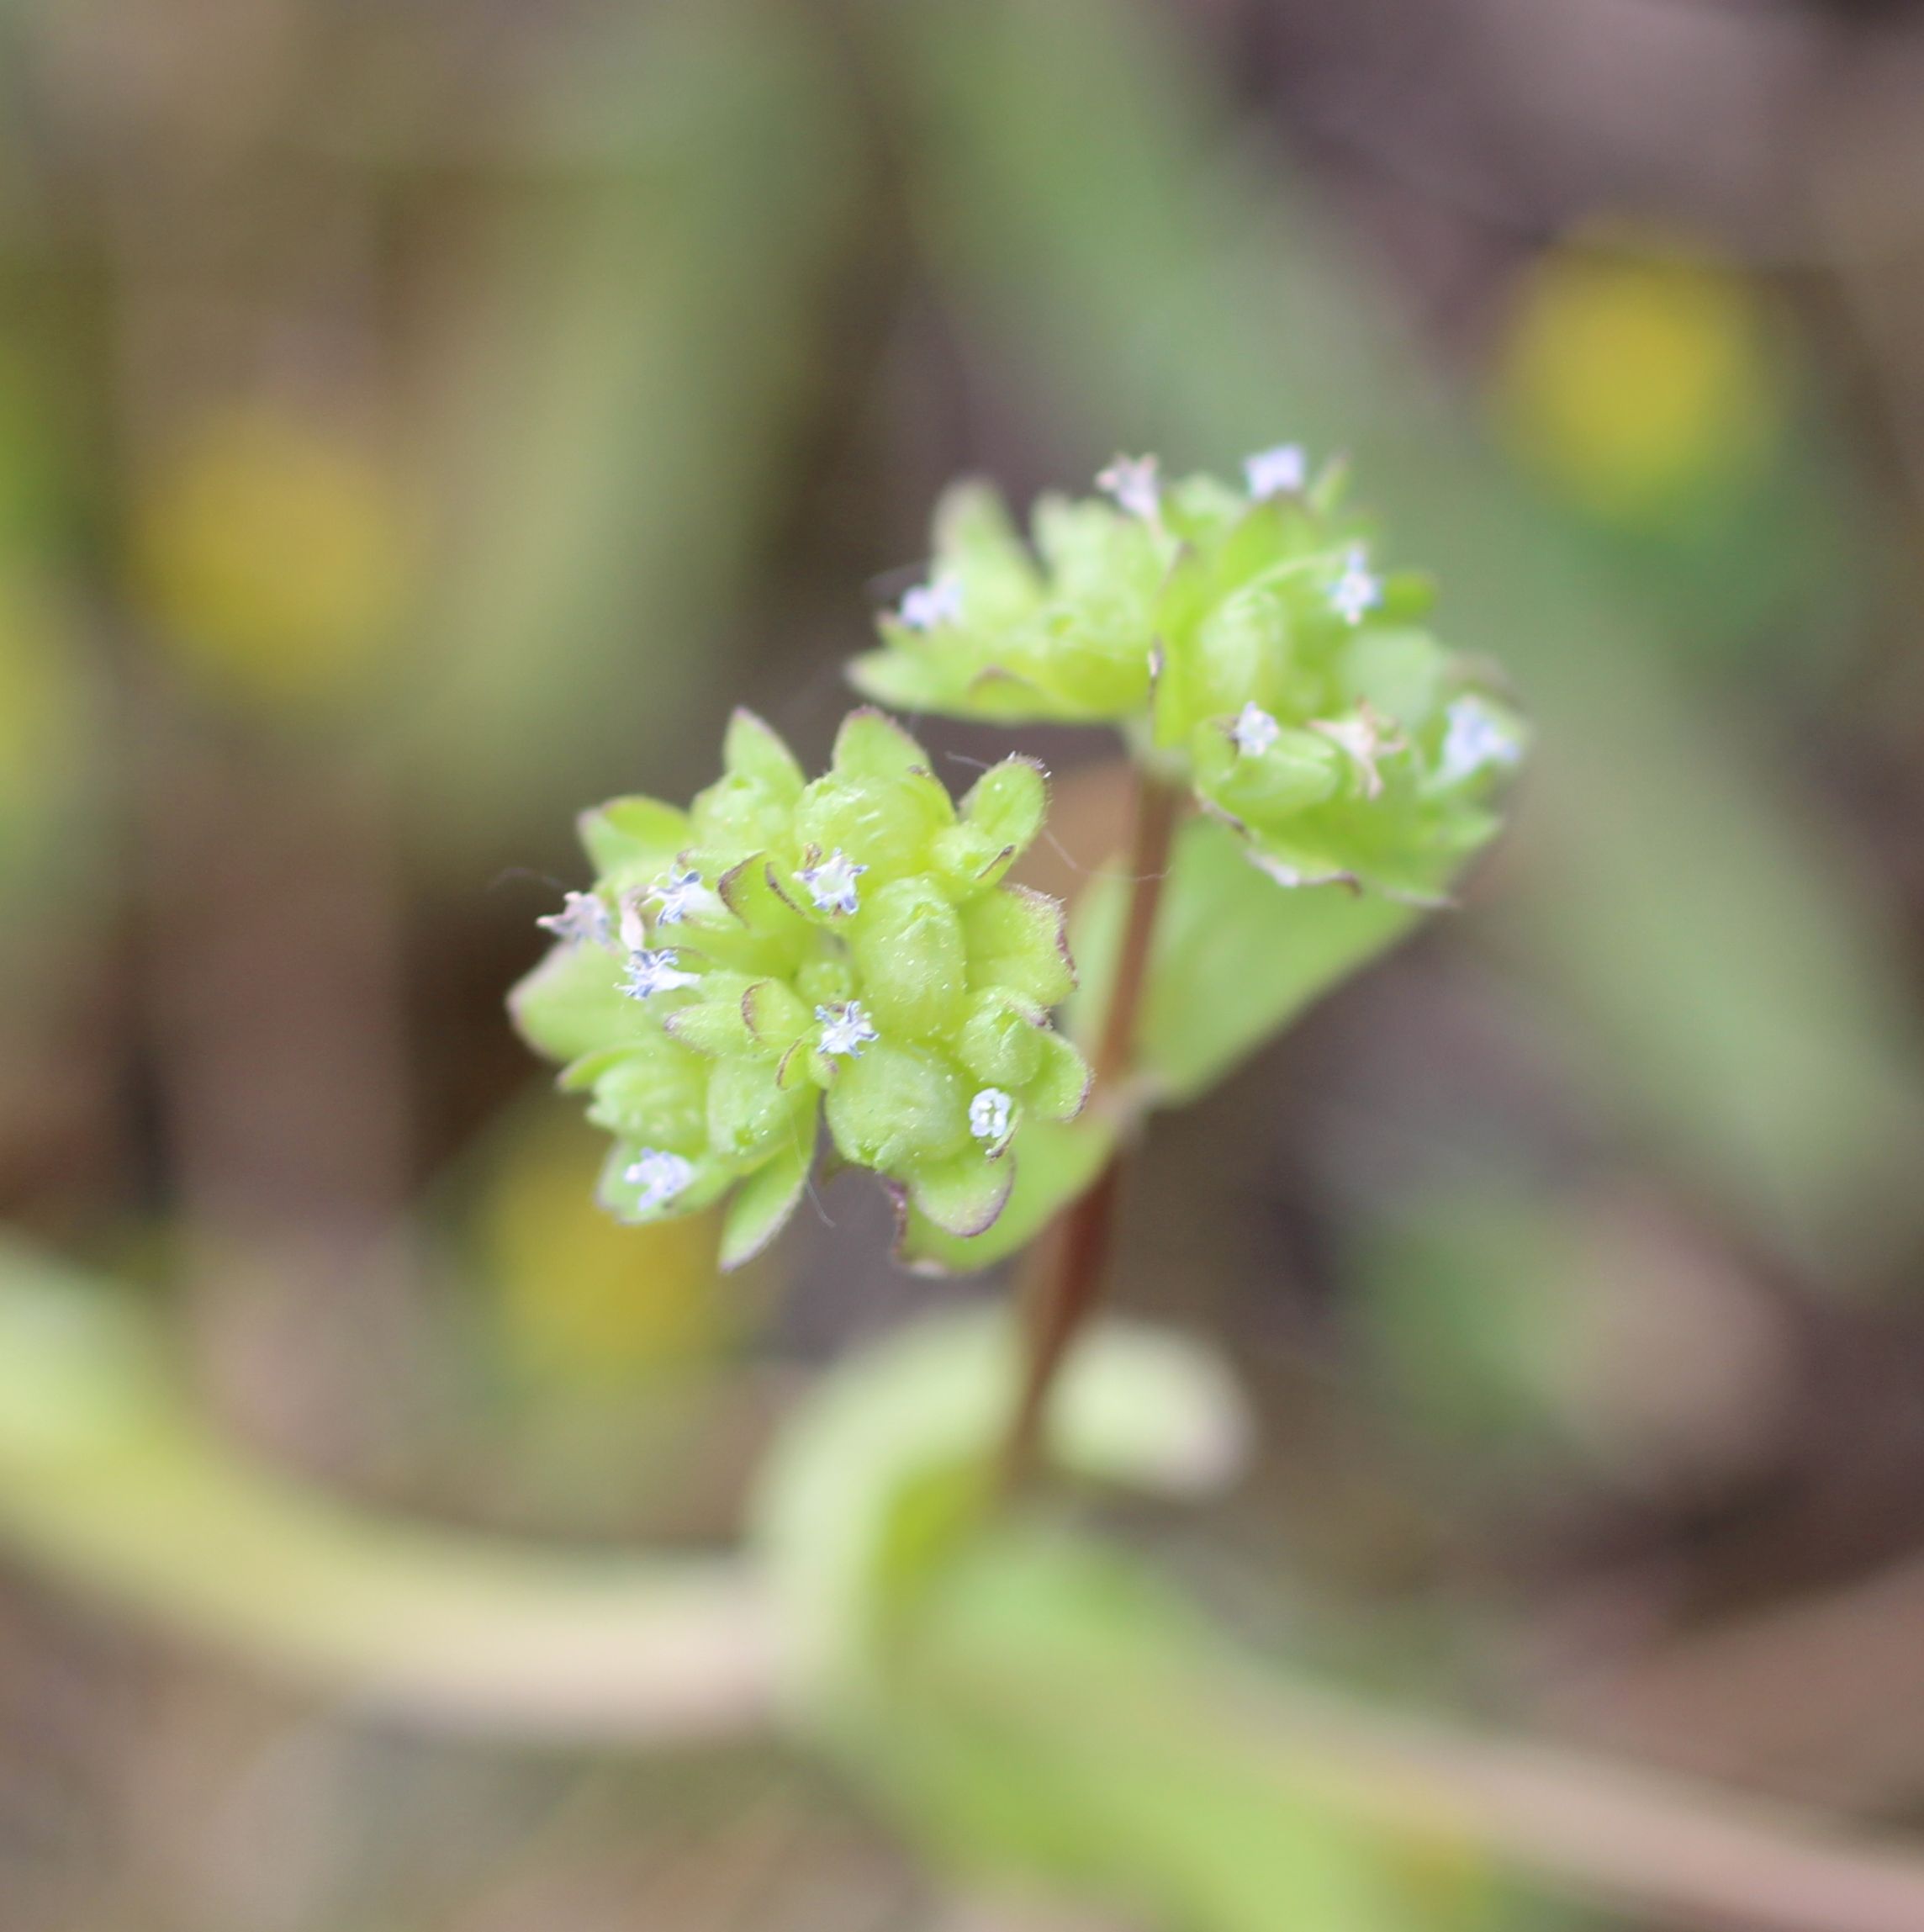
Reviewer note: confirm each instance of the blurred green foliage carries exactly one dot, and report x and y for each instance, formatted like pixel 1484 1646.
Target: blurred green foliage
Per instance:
pixel 621 405
pixel 1742 1004
pixel 475 435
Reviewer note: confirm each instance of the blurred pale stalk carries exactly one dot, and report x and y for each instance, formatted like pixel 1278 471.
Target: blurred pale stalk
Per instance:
pixel 1122 1710
pixel 111 1482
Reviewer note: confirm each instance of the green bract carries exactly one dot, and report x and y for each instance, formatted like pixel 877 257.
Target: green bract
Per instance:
pixel 786 949
pixel 1241 640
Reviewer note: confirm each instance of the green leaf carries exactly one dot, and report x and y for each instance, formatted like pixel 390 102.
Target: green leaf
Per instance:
pixel 893 1106
pixel 656 1093
pixel 856 1457
pixel 1017 942
pixel 752 749
pixel 774 1015
pixel 908 946
pixel 883 822
pixel 1008 802
pixel 902 679
pixel 1237 957
pixel 1054 1162
pixel 977 540
pixel 963 1195
pixel 716 1027
pixel 750 1113
pixel 1002 1043
pixel 872 745
pixel 1060 1082
pixel 571 1004
pixel 622 1198
pixel 632 839
pixel 760 1207
pixel 1067 1716
pixel 750 894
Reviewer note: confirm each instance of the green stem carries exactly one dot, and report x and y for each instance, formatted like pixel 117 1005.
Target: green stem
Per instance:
pixel 1074 1265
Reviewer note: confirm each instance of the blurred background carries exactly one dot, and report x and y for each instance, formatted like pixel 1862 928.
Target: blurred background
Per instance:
pixel 420 420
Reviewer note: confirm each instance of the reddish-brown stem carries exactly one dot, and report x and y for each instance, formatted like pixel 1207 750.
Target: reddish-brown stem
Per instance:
pixel 1075 1260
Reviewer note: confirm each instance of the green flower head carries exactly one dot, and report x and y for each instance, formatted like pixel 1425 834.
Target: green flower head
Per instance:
pixel 1242 639
pixel 785 950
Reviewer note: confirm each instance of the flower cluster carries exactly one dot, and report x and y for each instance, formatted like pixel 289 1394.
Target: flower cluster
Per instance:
pixel 786 949
pixel 1243 640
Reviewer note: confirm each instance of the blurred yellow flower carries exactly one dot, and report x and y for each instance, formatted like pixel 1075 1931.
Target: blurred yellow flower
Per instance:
pixel 1636 372
pixel 581 1298
pixel 272 554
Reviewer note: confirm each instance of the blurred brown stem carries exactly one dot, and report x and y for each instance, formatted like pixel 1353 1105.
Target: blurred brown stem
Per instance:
pixel 1075 1261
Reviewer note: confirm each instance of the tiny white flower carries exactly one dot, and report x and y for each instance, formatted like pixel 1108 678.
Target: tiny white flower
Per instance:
pixel 831 882
pixel 1357 590
pixel 650 972
pixel 582 919
pixel 1473 739
pixel 661 1176
pixel 938 601
pixel 1254 730
pixel 675 895
pixel 1279 472
pixel 1132 481
pixel 845 1028
pixel 1365 738
pixel 990 1114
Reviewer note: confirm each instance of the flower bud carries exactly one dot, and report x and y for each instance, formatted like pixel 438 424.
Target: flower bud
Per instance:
pixel 788 950
pixel 1246 637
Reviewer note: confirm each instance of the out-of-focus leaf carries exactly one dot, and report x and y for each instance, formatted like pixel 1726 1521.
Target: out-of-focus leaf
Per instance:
pixel 1540 1330
pixel 1237 957
pixel 572 1002
pixel 1021 1706
pixel 866 1493
pixel 1045 1728
pixel 1743 1002
pixel 635 364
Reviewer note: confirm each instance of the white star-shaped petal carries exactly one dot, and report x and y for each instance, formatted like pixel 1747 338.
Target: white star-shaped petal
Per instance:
pixel 1365 737
pixel 1357 590
pixel 938 601
pixel 650 972
pixel 1474 739
pixel 582 918
pixel 831 882
pixel 845 1028
pixel 661 1176
pixel 1279 472
pixel 674 896
pixel 989 1114
pixel 1254 730
pixel 1132 481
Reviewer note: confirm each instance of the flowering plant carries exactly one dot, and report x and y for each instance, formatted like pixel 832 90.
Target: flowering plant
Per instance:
pixel 1243 643
pixel 848 947
pixel 850 950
